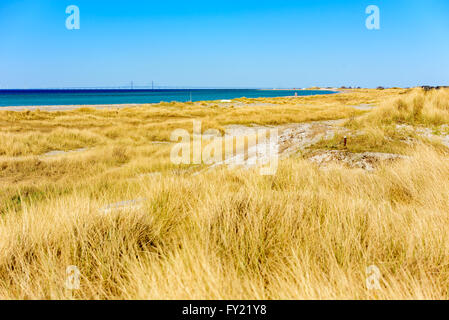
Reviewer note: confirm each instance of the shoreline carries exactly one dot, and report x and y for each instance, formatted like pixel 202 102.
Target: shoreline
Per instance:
pixel 70 107
pixel 127 105
pixel 304 89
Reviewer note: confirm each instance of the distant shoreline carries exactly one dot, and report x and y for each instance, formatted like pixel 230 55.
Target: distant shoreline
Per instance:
pixel 68 107
pixel 336 90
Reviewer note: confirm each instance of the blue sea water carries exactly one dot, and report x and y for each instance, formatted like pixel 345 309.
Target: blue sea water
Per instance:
pixel 102 97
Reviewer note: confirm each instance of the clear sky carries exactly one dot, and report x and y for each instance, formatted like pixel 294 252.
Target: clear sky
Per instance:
pixel 227 43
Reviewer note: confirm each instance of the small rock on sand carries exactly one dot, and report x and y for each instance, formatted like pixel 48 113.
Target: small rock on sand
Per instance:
pixel 60 152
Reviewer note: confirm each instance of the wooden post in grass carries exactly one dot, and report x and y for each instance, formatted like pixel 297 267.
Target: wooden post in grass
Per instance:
pixel 345 141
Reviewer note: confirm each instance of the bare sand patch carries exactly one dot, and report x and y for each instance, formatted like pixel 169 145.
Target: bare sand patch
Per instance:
pixel 428 133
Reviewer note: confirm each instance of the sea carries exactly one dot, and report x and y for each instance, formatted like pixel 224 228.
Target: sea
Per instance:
pixel 137 96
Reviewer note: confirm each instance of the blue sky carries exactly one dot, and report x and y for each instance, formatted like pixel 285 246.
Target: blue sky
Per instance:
pixel 223 43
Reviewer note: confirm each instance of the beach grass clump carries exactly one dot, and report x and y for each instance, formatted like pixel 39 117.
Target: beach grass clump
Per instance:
pixel 386 140
pixel 304 233
pixel 429 108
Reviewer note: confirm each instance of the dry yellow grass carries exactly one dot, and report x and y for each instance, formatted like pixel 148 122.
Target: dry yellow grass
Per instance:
pixel 305 233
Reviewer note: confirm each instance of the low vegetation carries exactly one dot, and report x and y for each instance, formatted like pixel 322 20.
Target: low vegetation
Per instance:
pixel 304 233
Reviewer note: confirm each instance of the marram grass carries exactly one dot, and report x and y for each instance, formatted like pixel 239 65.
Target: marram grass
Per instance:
pixel 305 233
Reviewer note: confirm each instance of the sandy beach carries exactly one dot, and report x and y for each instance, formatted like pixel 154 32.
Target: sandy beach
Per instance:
pixel 67 107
